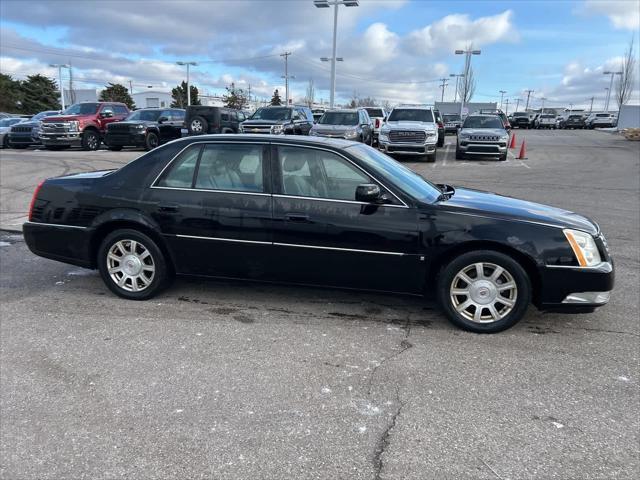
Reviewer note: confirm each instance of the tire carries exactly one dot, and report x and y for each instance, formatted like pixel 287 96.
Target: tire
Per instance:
pixel 198 126
pixel 485 292
pixel 441 141
pixel 90 140
pixel 118 243
pixel 5 142
pixel 151 141
pixel 115 148
pixel 431 157
pixel 503 157
pixel 459 154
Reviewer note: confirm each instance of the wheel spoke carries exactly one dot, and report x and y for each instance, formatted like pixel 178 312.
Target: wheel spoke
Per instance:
pixel 496 274
pixel 505 301
pixel 459 291
pixel 148 268
pixel 494 313
pixel 464 305
pixel 115 269
pixel 132 246
pixel 114 257
pixel 506 286
pixel 134 284
pixel 466 278
pixel 120 246
pixel 477 313
pixel 479 271
pixel 122 281
pixel 144 254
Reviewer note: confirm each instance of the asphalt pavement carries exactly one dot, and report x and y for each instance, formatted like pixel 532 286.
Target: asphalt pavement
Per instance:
pixel 231 380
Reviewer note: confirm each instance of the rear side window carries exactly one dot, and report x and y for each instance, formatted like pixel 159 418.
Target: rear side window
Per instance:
pixel 120 110
pixel 231 167
pixel 177 115
pixel 180 173
pixel 224 117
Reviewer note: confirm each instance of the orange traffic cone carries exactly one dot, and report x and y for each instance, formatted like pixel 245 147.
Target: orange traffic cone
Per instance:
pixel 512 145
pixel 523 151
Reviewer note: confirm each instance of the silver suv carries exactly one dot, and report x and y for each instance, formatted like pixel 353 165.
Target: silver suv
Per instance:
pixel 410 130
pixel 482 135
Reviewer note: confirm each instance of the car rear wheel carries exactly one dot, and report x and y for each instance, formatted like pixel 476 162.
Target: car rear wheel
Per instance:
pixel 132 265
pixel 151 141
pixel 198 126
pixel 90 140
pixel 484 291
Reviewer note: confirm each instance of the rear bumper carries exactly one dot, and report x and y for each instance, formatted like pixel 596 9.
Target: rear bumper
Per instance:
pixel 64 243
pixel 576 289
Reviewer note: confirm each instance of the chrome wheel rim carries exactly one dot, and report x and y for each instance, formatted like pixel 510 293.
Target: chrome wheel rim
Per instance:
pixel 130 265
pixel 196 126
pixel 92 141
pixel 483 292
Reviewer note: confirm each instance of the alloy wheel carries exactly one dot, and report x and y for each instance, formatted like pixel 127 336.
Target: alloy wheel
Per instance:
pixel 130 265
pixel 196 126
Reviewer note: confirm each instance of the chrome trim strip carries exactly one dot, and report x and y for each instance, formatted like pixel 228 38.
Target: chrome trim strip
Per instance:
pixel 603 267
pixel 317 247
pixel 56 225
pixel 347 159
pixel 218 239
pixel 212 191
pixel 322 199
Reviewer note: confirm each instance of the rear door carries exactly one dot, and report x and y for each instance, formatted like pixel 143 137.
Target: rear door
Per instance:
pixel 214 209
pixel 322 235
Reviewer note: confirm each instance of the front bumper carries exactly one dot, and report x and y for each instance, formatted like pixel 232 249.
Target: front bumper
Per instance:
pixel 61 138
pixel 125 139
pixel 407 148
pixel 23 139
pixel 576 289
pixel 481 148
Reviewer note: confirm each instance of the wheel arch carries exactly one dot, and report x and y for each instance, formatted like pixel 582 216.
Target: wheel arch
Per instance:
pixel 525 261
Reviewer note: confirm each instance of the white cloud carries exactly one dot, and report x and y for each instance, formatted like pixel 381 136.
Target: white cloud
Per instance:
pixel 623 14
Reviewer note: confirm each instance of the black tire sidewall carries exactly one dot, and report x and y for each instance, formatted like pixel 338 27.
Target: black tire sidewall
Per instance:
pixel 203 122
pixel 147 143
pixel 520 276
pixel 85 140
pixel 160 278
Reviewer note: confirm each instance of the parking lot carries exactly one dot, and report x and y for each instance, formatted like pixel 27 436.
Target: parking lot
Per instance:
pixel 220 379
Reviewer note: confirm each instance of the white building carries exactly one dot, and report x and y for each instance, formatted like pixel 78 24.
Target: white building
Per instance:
pixel 152 99
pixel 78 95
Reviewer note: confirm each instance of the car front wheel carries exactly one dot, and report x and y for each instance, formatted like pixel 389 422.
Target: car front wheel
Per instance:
pixel 132 265
pixel 90 140
pixel 484 291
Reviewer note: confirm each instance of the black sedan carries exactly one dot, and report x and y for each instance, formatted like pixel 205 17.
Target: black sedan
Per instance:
pixel 148 128
pixel 323 212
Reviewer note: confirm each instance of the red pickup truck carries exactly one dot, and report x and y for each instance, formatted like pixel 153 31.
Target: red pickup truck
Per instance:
pixel 82 124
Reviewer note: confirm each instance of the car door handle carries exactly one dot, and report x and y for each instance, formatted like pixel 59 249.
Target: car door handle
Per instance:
pixel 168 207
pixel 296 217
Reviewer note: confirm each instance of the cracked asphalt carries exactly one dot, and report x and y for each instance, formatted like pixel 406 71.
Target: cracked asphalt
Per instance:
pixel 233 380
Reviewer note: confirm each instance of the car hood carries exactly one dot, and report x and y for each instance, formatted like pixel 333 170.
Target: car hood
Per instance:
pixel 411 126
pixel 483 131
pixel 27 124
pixel 333 128
pixel 64 118
pixel 134 122
pixel 480 202
pixel 264 122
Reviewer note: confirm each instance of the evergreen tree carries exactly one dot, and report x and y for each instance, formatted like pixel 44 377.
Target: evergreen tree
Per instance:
pixel 179 95
pixel 276 100
pixel 39 93
pixel 10 94
pixel 116 92
pixel 235 97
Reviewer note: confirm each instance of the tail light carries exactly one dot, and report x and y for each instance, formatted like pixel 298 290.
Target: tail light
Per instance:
pixel 33 199
pixel 440 124
pixel 377 123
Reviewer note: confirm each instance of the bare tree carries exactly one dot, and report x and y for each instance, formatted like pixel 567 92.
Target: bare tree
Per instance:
pixel 367 102
pixel 468 87
pixel 311 93
pixel 624 85
pixel 386 105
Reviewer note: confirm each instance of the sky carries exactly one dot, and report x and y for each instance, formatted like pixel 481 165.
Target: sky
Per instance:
pixel 393 50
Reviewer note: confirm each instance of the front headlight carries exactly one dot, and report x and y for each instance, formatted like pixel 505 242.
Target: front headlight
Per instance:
pixel 277 129
pixel 351 133
pixel 584 247
pixel 504 138
pixel 74 125
pixel 432 134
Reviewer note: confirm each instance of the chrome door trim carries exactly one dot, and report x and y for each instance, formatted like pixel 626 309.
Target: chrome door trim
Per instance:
pixel 218 239
pixel 320 247
pixel 237 192
pixel 322 199
pixel 56 225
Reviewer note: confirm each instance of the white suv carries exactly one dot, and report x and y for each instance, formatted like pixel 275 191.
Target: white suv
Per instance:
pixel 410 130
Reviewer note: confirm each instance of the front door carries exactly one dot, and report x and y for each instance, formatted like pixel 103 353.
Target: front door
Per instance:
pixel 214 210
pixel 322 235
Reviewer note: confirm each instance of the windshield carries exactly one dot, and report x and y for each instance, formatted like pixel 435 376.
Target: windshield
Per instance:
pixel 41 115
pixel 410 115
pixel 7 122
pixel 451 117
pixel 548 116
pixel 375 112
pixel 520 114
pixel 146 115
pixel 339 118
pixel 82 109
pixel 272 114
pixel 483 122
pixel 387 168
pixel 575 116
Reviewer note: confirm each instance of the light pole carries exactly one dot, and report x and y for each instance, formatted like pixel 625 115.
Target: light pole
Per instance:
pixel 188 89
pixel 543 99
pixel 327 59
pixel 613 74
pixel 467 64
pixel 517 103
pixel 60 66
pixel 443 85
pixel 606 101
pixel 502 92
pixel 506 112
pixel 335 3
pixel 458 76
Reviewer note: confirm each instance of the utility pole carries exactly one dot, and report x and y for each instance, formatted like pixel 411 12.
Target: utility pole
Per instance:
pixel 529 92
pixel 591 107
pixel 543 99
pixel 457 75
pixel 613 74
pixel 507 110
pixel 286 76
pixel 130 87
pixel 443 85
pixel 502 92
pixel 72 95
pixel 188 88
pixel 517 103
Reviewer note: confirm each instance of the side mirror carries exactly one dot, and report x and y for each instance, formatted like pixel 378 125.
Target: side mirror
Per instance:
pixel 106 114
pixel 163 119
pixel 368 193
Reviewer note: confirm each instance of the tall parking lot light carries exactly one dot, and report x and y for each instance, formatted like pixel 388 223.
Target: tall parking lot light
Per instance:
pixel 60 67
pixel 467 64
pixel 188 89
pixel 613 74
pixel 458 76
pixel 335 3
pixel 502 92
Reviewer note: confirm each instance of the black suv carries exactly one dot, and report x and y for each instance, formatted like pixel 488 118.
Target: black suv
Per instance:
pixel 148 128
pixel 295 120
pixel 201 120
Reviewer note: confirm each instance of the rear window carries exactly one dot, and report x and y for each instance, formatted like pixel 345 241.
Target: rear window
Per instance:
pixel 451 118
pixel 375 112
pixel 411 115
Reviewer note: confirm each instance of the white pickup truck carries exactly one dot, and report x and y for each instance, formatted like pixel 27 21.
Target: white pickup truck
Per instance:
pixel 378 116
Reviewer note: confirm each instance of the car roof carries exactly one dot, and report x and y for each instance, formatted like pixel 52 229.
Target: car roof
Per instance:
pixel 298 139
